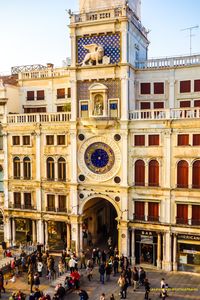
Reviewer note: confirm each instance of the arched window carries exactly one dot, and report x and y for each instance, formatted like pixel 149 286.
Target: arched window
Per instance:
pixel 182 174
pixel 16 167
pixel 27 168
pixel 196 174
pixel 61 169
pixel 50 169
pixel 139 173
pixel 153 173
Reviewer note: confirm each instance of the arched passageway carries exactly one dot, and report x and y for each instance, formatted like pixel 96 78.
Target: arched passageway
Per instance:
pixel 99 223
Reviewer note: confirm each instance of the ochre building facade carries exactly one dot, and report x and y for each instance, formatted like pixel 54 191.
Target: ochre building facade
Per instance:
pixel 106 147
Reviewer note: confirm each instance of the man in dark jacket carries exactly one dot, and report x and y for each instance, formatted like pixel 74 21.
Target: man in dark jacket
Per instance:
pixel 102 272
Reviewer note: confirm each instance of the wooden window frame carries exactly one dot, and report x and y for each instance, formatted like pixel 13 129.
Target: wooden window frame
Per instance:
pixel 49 140
pixel 61 169
pixel 16 140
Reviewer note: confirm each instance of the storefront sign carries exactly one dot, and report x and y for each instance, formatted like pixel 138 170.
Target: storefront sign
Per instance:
pixel 189 237
pixel 191 251
pixel 183 259
pixel 146 239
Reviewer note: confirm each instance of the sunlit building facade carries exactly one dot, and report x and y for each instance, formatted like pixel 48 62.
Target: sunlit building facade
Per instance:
pixel 107 146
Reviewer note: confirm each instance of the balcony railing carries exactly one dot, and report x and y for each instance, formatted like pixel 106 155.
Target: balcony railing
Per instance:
pixel 61 209
pixel 165 114
pixel 50 209
pixel 195 222
pixel 169 62
pixel 143 218
pixel 182 221
pixel 22 206
pixel 44 73
pixel 39 118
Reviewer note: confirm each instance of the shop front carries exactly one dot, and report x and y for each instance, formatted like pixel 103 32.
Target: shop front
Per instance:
pixel 188 253
pixel 146 247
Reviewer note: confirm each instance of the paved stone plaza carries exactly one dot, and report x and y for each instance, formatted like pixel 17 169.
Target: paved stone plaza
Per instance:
pixel 185 286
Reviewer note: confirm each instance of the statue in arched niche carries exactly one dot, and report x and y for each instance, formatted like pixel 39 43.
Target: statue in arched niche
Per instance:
pixel 98 105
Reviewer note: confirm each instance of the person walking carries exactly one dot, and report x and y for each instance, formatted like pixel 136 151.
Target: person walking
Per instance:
pixel 142 276
pixel 135 279
pixel 108 271
pixel 102 297
pixel 147 289
pixel 82 259
pixel 102 272
pixel 112 297
pixel 121 282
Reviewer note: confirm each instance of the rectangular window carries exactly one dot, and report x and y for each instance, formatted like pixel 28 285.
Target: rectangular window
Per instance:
pixel 145 88
pixel 197 85
pixel 60 139
pixel 17 200
pixel 183 139
pixel 40 95
pixel 185 104
pixel 60 93
pixel 196 139
pixel 113 109
pixel 157 105
pixel 30 96
pixel 49 140
pixel 61 203
pixel 185 86
pixel 195 214
pixel 50 202
pixel 153 212
pixel 154 140
pixel 60 108
pixel 182 214
pixel 145 105
pixel 158 88
pixel 139 210
pixel 196 103
pixel 84 109
pixel 69 93
pixel 27 201
pixel 139 140
pixel 15 140
pixel 26 140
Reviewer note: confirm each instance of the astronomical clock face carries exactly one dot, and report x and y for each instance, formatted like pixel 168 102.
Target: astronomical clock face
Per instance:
pixel 99 158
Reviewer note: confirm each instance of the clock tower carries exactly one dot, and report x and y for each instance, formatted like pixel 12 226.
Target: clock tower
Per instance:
pixel 107 40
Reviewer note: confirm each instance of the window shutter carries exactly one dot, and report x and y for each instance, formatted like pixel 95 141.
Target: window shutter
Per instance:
pixel 153 173
pixel 139 210
pixel 183 139
pixel 182 213
pixel 145 88
pixel 185 86
pixel 30 95
pixel 139 173
pixel 145 105
pixel 195 214
pixel 60 93
pixel 158 87
pixel 182 174
pixel 185 104
pixel 40 95
pixel 196 103
pixel 197 85
pixel 196 139
pixel 153 211
pixel 154 140
pixel 139 140
pixel 196 174
pixel 158 105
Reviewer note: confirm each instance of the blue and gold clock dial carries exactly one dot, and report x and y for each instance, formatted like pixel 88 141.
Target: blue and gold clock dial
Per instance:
pixel 99 158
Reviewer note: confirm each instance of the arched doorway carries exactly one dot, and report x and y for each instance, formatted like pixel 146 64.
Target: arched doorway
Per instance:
pixel 99 223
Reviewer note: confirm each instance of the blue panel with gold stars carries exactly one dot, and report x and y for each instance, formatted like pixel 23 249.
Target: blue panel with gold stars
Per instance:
pixel 99 158
pixel 110 43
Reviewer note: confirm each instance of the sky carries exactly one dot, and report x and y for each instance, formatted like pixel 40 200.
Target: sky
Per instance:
pixel 36 31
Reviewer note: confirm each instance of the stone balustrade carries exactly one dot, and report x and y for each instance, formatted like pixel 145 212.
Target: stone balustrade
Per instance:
pixel 45 73
pixel 168 62
pixel 39 118
pixel 165 114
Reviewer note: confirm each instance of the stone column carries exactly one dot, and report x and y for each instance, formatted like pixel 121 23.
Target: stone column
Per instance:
pixel 5 169
pixel 75 237
pixel 81 235
pixel 68 236
pixel 164 249
pixel 56 202
pixel 146 208
pixel 40 232
pixel 125 158
pixel 13 232
pixel 159 251
pixel 125 96
pixel 123 238
pixel 46 233
pixel 175 265
pixel 124 26
pixel 133 247
pixel 168 256
pixel 190 214
pixel 34 231
pixel 7 231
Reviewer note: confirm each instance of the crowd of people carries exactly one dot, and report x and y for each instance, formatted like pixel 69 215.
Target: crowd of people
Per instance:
pixel 107 263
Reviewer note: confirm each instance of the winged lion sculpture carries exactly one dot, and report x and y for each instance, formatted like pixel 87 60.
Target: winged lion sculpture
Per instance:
pixel 96 53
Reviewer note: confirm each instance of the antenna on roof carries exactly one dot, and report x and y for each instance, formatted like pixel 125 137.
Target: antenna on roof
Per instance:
pixel 191 35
